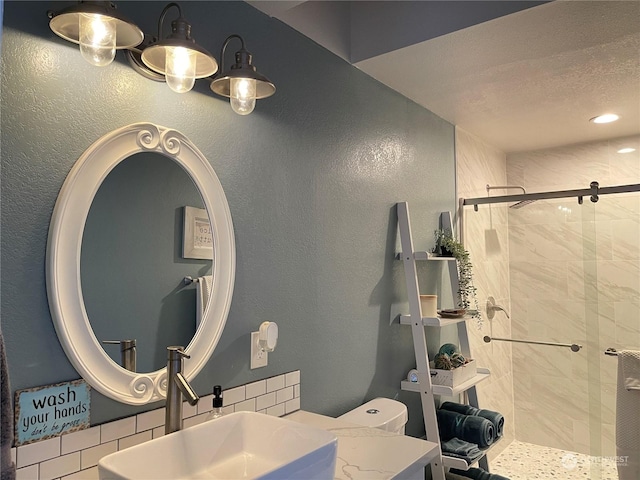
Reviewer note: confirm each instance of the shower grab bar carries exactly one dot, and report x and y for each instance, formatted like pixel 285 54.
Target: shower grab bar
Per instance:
pixel 573 346
pixel 612 352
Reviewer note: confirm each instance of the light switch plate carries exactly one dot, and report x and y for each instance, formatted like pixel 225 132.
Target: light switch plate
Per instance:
pixel 259 358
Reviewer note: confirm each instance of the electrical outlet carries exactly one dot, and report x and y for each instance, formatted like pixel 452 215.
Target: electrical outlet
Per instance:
pixel 258 356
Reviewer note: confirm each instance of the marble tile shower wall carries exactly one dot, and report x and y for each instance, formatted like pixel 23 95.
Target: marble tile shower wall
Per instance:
pixel 75 456
pixel 575 277
pixel 486 238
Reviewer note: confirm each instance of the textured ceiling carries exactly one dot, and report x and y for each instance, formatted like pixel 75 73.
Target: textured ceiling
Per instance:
pixel 522 81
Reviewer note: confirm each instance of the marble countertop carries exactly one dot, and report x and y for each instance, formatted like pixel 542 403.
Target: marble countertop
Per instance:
pixel 371 453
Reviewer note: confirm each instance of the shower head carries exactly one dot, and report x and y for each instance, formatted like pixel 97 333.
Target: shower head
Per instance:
pixel 509 187
pixel 504 187
pixel 521 204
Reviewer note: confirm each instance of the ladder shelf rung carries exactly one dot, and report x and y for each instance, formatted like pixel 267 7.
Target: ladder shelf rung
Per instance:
pixel 459 463
pixel 434 321
pixel 482 374
pixel 422 255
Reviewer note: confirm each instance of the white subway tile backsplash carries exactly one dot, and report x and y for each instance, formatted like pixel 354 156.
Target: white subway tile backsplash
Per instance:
pixel 246 406
pixel 234 395
pixel 136 439
pixel 256 388
pixel 189 410
pixel 90 456
pixel 75 456
pixel 28 473
pixel 195 420
pixel 266 401
pixel 150 420
pixel 292 378
pixel 277 410
pixel 292 405
pixel 60 466
pixel 72 442
pixel 275 383
pixel 284 395
pixel 118 429
pixel 228 409
pixel 205 404
pixel 88 474
pixel 38 452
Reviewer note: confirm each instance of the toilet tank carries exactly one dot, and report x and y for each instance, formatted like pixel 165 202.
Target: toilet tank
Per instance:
pixel 383 413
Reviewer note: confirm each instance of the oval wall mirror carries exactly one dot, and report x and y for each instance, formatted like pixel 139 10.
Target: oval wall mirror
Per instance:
pixel 132 266
pixel 64 286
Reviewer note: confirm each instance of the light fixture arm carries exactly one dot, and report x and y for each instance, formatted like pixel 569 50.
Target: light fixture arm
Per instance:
pixel 164 14
pixel 180 28
pixel 224 49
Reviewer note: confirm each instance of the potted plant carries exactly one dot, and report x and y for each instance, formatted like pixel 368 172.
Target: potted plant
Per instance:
pixel 448 246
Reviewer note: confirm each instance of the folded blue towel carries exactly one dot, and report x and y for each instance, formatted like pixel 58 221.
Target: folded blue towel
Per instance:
pixel 469 428
pixel 460 408
pixel 477 474
pixel 494 417
pixel 460 449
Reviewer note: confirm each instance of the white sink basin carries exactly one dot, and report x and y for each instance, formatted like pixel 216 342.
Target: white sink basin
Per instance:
pixel 238 445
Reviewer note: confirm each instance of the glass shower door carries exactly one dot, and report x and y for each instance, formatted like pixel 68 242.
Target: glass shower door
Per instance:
pixel 617 276
pixel 549 244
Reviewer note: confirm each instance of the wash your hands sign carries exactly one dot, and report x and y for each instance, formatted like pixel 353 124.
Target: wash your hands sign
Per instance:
pixel 46 412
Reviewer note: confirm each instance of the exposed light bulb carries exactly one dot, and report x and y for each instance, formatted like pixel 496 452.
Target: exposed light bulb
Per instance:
pixel 627 150
pixel 243 95
pixel 97 39
pixel 180 69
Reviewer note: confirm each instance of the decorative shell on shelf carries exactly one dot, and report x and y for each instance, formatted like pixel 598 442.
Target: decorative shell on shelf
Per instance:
pixel 449 357
pixel 442 361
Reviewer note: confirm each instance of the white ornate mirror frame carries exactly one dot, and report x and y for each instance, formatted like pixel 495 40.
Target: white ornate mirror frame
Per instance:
pixel 63 260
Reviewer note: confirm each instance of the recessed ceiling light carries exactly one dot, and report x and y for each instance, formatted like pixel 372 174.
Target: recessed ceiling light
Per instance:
pixel 626 150
pixel 606 118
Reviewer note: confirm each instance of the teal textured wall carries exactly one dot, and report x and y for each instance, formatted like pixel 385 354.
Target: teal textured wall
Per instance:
pixel 312 178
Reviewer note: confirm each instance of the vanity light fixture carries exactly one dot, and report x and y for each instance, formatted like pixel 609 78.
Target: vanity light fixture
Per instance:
pixel 627 150
pixel 605 118
pixel 241 83
pixel 178 57
pixel 98 28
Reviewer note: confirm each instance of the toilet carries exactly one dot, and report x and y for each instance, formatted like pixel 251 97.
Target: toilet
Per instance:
pixel 383 413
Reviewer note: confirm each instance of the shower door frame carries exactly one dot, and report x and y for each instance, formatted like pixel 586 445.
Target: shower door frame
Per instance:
pixel 593 192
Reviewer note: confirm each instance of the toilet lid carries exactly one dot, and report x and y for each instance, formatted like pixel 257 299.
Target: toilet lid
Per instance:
pixel 384 413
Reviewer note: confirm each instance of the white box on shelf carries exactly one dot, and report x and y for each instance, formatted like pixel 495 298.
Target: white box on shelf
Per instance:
pixel 453 378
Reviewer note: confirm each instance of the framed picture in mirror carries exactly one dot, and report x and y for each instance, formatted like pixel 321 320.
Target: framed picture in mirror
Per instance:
pixel 197 239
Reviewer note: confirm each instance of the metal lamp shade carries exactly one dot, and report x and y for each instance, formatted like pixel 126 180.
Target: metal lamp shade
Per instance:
pixel 155 55
pixel 222 85
pixel 66 24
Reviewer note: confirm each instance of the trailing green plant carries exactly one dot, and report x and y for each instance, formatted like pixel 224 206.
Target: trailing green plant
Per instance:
pixel 447 245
